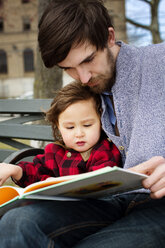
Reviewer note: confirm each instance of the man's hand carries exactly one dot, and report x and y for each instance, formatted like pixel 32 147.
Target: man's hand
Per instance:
pixel 8 170
pixel 155 169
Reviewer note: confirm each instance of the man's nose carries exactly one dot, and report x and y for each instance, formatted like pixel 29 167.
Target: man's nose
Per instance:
pixel 84 75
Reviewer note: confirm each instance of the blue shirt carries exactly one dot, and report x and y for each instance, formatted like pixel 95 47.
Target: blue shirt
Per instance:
pixel 112 117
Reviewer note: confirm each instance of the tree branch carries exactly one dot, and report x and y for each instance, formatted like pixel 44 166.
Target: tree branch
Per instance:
pixel 138 24
pixel 146 1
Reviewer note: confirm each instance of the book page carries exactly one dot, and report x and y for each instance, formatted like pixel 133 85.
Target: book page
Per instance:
pixel 94 184
pixel 48 182
pixel 7 193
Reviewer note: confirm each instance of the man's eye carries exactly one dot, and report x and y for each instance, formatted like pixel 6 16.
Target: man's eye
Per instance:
pixel 66 69
pixel 89 60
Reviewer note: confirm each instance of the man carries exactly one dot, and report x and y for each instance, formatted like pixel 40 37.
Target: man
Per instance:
pixel 78 36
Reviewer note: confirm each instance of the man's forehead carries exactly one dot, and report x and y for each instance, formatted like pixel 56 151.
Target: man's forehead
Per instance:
pixel 77 54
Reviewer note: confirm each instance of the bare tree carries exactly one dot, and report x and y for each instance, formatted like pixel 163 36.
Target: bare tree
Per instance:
pixel 154 23
pixel 116 10
pixel 46 80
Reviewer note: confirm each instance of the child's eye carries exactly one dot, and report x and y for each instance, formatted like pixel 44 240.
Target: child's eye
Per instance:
pixel 69 127
pixel 87 125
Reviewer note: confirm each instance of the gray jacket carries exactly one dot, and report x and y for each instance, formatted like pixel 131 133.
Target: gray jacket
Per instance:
pixel 139 99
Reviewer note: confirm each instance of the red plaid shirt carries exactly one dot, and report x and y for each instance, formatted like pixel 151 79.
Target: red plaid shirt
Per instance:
pixel 58 161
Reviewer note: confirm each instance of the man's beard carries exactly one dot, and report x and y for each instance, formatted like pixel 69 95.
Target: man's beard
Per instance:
pixel 104 82
pixel 104 85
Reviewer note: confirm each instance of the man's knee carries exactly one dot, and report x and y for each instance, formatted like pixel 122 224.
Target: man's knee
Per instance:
pixel 14 218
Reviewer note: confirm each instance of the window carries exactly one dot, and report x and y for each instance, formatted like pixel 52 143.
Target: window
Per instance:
pixel 25 1
pixel 28 60
pixel 26 23
pixel 3 62
pixel 1 3
pixel 1 24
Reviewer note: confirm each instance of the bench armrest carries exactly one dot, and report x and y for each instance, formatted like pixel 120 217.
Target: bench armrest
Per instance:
pixel 21 154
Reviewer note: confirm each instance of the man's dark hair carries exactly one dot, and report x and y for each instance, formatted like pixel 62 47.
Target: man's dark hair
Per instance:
pixel 67 23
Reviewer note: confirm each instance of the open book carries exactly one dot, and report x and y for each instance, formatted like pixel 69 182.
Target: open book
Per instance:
pixel 87 185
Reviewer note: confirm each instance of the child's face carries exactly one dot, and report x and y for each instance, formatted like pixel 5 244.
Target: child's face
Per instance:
pixel 80 125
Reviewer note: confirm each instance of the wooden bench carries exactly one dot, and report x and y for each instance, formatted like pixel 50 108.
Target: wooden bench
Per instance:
pixel 19 119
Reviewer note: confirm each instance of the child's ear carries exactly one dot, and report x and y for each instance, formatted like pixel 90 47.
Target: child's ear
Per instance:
pixel 59 137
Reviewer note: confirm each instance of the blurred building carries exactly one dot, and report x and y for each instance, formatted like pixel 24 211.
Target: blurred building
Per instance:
pixel 18 41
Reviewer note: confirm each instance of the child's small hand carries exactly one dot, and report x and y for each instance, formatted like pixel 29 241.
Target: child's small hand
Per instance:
pixel 8 170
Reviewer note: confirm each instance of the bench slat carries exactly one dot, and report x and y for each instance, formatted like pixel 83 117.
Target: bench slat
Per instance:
pixel 24 106
pixel 22 119
pixel 35 132
pixel 17 121
pixel 14 143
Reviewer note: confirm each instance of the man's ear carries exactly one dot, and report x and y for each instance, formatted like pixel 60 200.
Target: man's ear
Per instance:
pixel 111 37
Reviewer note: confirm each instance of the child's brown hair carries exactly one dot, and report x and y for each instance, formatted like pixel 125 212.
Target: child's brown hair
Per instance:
pixel 71 93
